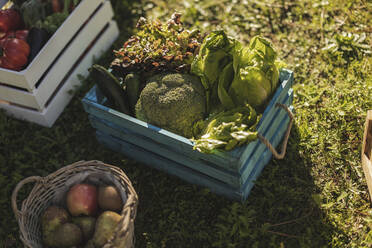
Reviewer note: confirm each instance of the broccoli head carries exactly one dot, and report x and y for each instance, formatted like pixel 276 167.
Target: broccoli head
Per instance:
pixel 173 102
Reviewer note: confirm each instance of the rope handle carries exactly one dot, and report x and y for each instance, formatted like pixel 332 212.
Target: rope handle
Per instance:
pixel 31 179
pixel 286 137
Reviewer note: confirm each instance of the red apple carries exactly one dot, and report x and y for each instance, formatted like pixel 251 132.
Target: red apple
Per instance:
pixel 82 199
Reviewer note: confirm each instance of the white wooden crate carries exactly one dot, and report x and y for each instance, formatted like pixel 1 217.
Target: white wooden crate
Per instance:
pixel 40 92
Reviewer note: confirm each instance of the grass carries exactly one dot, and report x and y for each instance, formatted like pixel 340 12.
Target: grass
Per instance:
pixel 315 197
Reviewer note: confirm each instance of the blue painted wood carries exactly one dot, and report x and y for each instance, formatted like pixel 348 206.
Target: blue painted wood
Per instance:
pixel 279 97
pixel 264 159
pixel 156 148
pixel 228 160
pixel 274 128
pixel 191 176
pixel 231 178
pixel 163 163
pixel 160 135
pixel 233 172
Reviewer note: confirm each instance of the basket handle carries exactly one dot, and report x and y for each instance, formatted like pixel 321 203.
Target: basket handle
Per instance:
pixel 286 137
pixel 31 179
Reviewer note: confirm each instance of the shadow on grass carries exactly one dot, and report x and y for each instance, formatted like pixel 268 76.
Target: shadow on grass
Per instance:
pixel 280 212
pixel 284 198
pixel 172 213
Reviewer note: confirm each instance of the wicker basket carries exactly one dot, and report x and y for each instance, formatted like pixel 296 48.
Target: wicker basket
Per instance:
pixel 47 190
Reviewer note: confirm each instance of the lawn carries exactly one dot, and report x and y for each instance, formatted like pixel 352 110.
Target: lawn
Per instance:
pixel 315 197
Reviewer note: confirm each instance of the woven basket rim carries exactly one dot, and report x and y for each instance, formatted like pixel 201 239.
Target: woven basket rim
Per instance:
pixel 128 212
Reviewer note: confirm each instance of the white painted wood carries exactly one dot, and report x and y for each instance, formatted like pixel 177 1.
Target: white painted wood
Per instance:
pixel 38 97
pixel 28 77
pixel 48 116
pixel 367 152
pixel 3 3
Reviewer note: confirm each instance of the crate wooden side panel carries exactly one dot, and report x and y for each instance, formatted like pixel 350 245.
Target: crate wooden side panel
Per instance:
pixel 226 160
pixel 136 139
pixel 367 152
pixel 264 159
pixel 114 135
pixel 274 128
pixel 164 164
pixel 28 77
pixel 48 116
pixel 39 96
pixel 95 108
pixel 286 79
pixel 195 177
pixel 234 179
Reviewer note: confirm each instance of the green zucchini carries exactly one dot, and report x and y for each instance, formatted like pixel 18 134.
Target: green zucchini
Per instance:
pixel 110 87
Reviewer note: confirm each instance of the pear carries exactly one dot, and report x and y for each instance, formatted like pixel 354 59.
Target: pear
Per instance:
pixel 52 218
pixel 86 224
pixel 68 235
pixel 109 198
pixel 89 244
pixel 105 227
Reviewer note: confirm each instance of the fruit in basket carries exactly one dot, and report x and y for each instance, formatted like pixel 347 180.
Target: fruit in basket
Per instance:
pixel 109 198
pixel 52 218
pixel 105 227
pixel 67 235
pixel 82 199
pixel 14 54
pixel 89 244
pixel 86 224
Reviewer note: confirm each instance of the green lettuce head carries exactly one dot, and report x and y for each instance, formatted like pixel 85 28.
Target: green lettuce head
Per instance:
pixel 256 74
pixel 215 53
pixel 252 75
pixel 242 79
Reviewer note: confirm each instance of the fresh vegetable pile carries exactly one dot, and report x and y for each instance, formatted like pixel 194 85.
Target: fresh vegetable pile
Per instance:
pixel 89 218
pixel 211 90
pixel 158 48
pixel 27 26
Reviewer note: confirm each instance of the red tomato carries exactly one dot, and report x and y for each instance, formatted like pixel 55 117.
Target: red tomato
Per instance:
pixel 14 53
pixel 10 19
pixel 19 34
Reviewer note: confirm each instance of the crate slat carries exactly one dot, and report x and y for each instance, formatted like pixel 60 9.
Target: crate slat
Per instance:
pixel 162 136
pixel 136 139
pixel 39 96
pixel 232 160
pixel 234 179
pixel 162 163
pixel 228 173
pixel 367 152
pixel 28 77
pixel 173 168
pixel 279 96
pixel 48 115
pixel 264 158
pixel 272 130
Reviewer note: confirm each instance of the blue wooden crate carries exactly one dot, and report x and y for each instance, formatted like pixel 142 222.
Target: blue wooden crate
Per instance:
pixel 228 173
